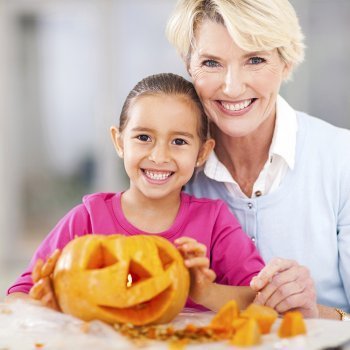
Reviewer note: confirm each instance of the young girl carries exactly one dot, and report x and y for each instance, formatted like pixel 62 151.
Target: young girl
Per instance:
pixel 162 138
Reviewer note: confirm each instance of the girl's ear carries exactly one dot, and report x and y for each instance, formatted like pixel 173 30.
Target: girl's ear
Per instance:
pixel 117 141
pixel 204 152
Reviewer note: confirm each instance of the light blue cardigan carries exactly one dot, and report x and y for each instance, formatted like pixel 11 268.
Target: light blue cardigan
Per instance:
pixel 308 217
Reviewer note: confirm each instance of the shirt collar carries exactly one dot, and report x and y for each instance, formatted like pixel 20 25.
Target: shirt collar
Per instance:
pixel 285 134
pixel 283 142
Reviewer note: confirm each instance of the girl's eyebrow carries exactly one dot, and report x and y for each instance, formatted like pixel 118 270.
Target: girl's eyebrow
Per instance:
pixel 179 133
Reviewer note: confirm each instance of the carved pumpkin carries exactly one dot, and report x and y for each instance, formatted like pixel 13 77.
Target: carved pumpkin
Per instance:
pixel 139 279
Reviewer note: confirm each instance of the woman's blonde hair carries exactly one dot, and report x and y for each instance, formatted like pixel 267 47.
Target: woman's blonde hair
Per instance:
pixel 254 25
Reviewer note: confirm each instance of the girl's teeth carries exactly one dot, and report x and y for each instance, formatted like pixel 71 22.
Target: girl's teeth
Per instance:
pixel 157 175
pixel 236 106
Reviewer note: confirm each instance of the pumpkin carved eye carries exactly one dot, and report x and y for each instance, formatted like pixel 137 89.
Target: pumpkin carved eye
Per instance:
pixel 139 279
pixel 101 257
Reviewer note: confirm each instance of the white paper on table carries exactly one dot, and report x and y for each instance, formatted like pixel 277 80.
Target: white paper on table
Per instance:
pixel 23 324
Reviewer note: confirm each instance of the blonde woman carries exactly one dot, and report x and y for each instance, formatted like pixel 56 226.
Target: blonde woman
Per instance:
pixel 284 174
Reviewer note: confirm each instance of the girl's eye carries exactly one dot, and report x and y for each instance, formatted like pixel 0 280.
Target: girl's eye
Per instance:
pixel 179 142
pixel 143 138
pixel 256 60
pixel 210 63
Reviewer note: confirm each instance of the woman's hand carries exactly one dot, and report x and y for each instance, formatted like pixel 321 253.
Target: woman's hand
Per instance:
pixel 196 260
pixel 42 289
pixel 285 285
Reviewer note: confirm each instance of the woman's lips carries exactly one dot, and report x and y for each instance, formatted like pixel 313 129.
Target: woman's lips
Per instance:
pixel 236 108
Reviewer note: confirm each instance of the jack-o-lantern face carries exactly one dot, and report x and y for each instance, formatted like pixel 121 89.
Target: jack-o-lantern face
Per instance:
pixel 139 279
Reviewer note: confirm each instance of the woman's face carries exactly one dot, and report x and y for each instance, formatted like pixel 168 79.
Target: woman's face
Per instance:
pixel 237 88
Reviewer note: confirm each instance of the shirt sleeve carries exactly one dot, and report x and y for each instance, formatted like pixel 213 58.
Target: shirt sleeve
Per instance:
pixel 234 257
pixel 74 223
pixel 343 228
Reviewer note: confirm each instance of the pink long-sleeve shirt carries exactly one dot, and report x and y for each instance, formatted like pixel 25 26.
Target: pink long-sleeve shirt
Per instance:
pixel 232 254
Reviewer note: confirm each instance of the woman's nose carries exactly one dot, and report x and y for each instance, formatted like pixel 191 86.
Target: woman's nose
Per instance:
pixel 160 154
pixel 234 82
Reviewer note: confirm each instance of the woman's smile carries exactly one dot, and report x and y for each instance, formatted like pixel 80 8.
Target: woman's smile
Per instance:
pixel 236 108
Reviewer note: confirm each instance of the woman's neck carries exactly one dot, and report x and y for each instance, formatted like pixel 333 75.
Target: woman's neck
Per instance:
pixel 153 215
pixel 245 157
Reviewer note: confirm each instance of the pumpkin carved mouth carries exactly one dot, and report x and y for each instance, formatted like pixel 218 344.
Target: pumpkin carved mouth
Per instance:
pixel 138 279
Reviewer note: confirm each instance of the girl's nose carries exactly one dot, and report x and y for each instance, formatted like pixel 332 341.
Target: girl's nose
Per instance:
pixel 160 154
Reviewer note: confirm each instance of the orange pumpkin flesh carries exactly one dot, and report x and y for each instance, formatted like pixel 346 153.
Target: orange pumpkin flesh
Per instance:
pixel 226 315
pixel 264 315
pixel 292 324
pixel 139 279
pixel 247 334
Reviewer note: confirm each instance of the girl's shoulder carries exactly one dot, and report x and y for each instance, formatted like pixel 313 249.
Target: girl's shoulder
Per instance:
pixel 203 203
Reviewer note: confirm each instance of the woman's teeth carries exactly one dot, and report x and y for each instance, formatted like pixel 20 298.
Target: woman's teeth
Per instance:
pixel 157 175
pixel 236 106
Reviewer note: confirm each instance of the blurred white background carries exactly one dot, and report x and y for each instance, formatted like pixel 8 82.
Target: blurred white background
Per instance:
pixel 66 67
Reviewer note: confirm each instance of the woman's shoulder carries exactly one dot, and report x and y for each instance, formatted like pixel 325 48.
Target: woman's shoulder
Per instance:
pixel 319 128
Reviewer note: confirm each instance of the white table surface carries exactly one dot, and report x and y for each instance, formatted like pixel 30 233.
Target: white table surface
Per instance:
pixel 24 324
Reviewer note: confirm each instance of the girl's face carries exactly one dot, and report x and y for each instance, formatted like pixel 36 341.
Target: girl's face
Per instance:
pixel 160 144
pixel 237 88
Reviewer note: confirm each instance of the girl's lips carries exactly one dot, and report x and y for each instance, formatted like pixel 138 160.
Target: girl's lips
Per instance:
pixel 157 176
pixel 236 108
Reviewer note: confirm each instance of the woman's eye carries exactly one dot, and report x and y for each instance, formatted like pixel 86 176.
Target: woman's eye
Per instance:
pixel 210 63
pixel 143 138
pixel 179 142
pixel 256 60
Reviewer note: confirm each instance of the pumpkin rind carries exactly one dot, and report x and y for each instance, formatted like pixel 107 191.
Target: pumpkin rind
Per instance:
pixel 90 279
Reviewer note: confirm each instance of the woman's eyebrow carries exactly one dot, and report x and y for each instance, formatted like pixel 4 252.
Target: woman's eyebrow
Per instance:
pixel 257 53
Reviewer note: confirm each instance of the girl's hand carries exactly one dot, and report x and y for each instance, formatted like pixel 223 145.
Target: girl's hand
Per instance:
pixel 196 260
pixel 42 289
pixel 285 285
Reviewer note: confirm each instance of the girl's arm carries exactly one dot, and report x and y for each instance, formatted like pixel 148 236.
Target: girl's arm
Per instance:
pixel 203 290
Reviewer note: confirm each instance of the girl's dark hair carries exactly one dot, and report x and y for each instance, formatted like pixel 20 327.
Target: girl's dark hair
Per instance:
pixel 167 84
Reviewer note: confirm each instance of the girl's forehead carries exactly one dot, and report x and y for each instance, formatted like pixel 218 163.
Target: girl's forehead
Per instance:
pixel 164 111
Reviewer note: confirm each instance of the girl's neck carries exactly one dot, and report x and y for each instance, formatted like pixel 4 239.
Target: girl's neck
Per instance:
pixel 152 215
pixel 245 157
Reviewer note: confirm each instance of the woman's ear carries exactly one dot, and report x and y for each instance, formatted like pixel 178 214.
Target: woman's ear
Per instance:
pixel 204 151
pixel 287 70
pixel 117 141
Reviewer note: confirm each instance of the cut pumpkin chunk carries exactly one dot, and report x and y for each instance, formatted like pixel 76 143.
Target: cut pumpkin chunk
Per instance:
pixel 264 315
pixel 292 324
pixel 247 334
pixel 225 316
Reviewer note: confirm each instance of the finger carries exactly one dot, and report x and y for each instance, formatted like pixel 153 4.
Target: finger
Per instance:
pixel 283 293
pixel 183 240
pixel 37 290
pixel 197 262
pixel 275 266
pixel 49 300
pixel 50 264
pixel 274 287
pixel 304 302
pixel 36 272
pixel 193 249
pixel 210 274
